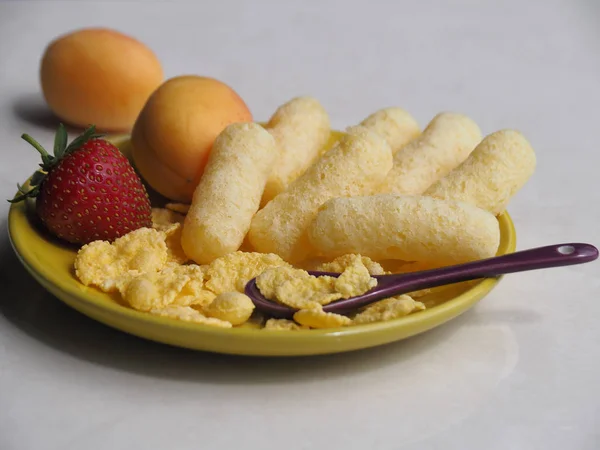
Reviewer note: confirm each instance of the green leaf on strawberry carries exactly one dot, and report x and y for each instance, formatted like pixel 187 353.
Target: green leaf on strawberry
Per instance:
pixel 60 141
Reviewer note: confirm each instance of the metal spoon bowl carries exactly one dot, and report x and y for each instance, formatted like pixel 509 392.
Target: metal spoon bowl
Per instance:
pixel 392 285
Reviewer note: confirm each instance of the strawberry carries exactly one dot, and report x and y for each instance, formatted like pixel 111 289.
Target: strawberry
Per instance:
pixel 87 190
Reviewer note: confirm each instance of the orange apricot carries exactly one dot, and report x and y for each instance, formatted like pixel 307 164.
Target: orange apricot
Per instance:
pixel 98 76
pixel 173 135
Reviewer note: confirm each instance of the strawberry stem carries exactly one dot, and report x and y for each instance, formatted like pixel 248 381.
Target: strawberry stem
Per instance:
pixel 46 158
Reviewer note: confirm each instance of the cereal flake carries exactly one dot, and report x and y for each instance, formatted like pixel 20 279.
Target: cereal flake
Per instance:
pixel 189 314
pixel 233 271
pixel 341 263
pixel 110 265
pixel 315 317
pixel 388 309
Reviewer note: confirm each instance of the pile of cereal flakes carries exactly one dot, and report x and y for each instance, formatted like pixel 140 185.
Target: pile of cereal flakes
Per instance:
pixel 150 271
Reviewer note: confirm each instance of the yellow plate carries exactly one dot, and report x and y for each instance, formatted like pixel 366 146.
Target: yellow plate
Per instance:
pixel 52 265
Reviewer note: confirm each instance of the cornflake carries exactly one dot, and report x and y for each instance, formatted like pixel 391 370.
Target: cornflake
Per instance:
pixel 189 314
pixel 298 289
pixel 175 251
pixel 111 265
pixel 388 309
pixel 300 293
pixel 295 287
pixel 354 280
pixel 160 289
pixel 233 271
pixel 341 263
pixel 194 296
pixel 315 317
pixel 166 220
pixel 270 279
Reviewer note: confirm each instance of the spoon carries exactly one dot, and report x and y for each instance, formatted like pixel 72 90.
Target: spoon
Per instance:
pixel 396 284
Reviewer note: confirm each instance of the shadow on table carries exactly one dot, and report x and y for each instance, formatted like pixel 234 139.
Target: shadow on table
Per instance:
pixel 32 109
pixel 41 316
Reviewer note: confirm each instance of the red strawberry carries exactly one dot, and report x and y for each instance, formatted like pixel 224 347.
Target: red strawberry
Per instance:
pixel 87 190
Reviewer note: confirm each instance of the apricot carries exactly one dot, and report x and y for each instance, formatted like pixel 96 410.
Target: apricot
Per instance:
pixel 173 135
pixel 98 76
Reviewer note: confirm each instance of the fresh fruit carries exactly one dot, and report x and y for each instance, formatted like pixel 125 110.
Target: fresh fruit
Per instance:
pixel 87 190
pixel 175 131
pixel 99 76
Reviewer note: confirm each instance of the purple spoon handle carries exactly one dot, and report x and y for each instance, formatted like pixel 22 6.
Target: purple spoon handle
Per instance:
pixel 537 258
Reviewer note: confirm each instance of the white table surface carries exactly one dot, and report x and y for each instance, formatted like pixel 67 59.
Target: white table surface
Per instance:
pixel 520 371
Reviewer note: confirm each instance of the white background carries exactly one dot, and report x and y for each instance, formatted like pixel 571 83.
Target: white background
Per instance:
pixel 520 371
